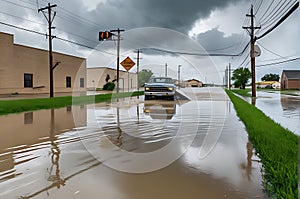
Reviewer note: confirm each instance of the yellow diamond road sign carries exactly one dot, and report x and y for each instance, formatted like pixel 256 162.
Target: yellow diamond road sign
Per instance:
pixel 127 63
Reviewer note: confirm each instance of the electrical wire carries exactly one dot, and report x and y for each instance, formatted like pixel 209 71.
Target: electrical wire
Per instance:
pixel 281 62
pixel 19 5
pixel 29 20
pixel 198 54
pixel 269 50
pixel 59 38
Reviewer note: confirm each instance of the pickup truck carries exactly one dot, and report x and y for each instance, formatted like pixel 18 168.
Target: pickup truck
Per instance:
pixel 160 87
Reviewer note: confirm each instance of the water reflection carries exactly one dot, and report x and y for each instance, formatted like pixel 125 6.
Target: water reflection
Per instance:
pixel 54 160
pixel 283 109
pixel 54 171
pixel 27 144
pixel 160 109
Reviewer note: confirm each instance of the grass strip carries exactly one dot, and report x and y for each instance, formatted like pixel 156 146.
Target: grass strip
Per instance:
pixel 242 92
pixel 23 105
pixel 276 146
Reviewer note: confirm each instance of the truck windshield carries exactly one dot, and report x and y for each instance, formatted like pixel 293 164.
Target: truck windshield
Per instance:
pixel 161 80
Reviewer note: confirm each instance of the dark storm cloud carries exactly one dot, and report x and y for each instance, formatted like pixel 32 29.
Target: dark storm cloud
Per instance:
pixel 127 14
pixel 215 41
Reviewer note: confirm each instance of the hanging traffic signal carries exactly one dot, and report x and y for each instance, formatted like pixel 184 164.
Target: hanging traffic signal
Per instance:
pixel 105 35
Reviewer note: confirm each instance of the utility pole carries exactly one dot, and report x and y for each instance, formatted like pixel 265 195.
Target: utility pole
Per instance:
pixel 118 55
pixel 50 19
pixel 226 77
pixel 252 42
pixel 166 70
pixel 137 70
pixel 179 76
pixel 229 76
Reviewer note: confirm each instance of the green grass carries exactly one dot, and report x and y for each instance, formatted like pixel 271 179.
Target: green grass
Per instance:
pixel 242 92
pixel 276 147
pixel 18 106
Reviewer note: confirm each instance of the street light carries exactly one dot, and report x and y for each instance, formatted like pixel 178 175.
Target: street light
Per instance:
pixel 179 76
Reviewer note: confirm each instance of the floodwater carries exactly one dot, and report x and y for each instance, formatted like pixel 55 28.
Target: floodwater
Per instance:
pixel 130 149
pixel 283 109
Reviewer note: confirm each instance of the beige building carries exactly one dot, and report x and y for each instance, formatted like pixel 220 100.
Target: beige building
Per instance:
pixel 194 83
pixel 25 69
pixel 96 78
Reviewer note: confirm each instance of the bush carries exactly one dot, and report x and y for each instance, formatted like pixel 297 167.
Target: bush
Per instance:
pixel 109 86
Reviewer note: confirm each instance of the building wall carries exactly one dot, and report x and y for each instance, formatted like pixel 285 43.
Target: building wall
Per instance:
pixel 96 78
pixel 289 83
pixel 18 60
pixel 294 84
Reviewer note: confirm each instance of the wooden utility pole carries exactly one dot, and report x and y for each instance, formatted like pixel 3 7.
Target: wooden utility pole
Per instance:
pixel 137 70
pixel 118 56
pixel 50 19
pixel 252 42
pixel 229 76
pixel 166 70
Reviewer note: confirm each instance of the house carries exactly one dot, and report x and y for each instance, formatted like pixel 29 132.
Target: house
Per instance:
pixel 25 69
pixel 269 84
pixel 194 83
pixel 290 79
pixel 96 78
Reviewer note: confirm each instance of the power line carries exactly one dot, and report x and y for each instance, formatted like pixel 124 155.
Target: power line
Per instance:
pixel 280 21
pixel 19 5
pixel 270 22
pixel 20 28
pixel 29 20
pixel 281 62
pixel 197 54
pixel 269 50
pixel 59 38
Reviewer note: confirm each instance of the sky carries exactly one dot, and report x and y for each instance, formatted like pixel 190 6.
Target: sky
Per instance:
pixel 168 32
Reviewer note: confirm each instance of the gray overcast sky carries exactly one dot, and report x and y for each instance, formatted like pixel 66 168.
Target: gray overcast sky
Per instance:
pixel 188 26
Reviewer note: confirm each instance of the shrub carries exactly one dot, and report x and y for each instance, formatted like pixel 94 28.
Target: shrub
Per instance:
pixel 109 86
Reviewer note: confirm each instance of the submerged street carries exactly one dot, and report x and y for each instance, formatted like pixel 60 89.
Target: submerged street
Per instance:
pixel 130 149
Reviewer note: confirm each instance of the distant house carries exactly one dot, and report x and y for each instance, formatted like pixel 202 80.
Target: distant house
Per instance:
pixel 194 83
pixel 290 79
pixel 269 84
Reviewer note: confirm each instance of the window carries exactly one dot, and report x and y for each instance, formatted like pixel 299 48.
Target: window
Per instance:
pixel 28 80
pixel 28 118
pixel 81 82
pixel 68 82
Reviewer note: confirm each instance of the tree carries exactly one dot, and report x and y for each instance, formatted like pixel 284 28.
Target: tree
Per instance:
pixel 109 85
pixel 144 76
pixel 270 77
pixel 107 78
pixel 241 77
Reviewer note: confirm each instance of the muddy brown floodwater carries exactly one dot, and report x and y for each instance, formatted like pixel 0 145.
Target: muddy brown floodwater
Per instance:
pixel 130 149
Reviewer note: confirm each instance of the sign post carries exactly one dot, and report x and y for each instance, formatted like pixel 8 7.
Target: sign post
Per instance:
pixel 127 63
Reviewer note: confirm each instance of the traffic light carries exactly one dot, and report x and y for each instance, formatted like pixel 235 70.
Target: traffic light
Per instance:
pixel 105 35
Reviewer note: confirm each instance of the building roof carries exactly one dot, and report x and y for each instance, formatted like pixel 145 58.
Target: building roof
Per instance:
pixel 34 48
pixel 190 80
pixel 267 82
pixel 291 74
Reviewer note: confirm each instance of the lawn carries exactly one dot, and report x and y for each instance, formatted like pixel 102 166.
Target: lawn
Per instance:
pixel 18 106
pixel 276 146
